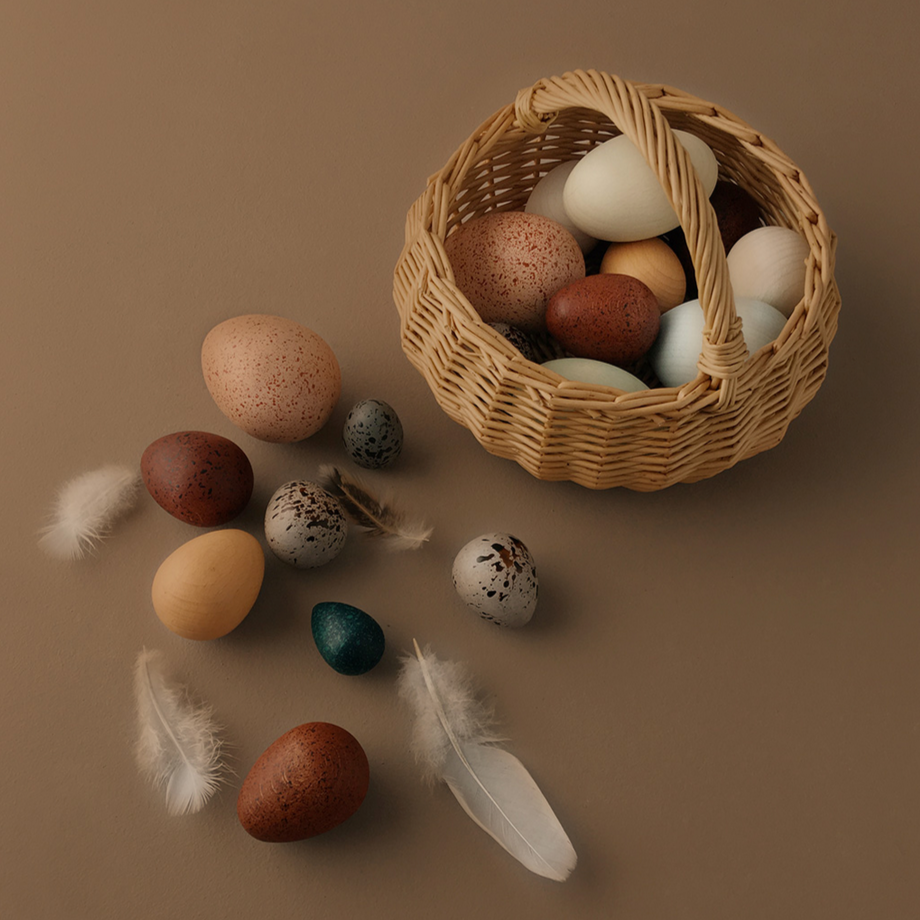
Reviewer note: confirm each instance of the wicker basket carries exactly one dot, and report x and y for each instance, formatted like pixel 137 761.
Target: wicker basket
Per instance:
pixel 739 404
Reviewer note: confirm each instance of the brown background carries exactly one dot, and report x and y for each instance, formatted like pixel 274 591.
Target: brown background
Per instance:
pixel 719 691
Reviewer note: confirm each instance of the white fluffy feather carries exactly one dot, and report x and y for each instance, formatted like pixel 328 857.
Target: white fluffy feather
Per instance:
pixel 178 746
pixel 454 741
pixel 86 508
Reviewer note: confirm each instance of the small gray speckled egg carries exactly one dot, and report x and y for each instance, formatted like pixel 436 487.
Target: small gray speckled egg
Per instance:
pixel 496 576
pixel 518 338
pixel 373 434
pixel 305 526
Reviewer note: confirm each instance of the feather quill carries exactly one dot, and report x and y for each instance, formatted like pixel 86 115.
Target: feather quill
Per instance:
pixel 454 741
pixel 86 508
pixel 378 518
pixel 178 747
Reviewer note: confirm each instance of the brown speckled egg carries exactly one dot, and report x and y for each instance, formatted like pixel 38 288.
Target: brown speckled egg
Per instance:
pixel 200 478
pixel 307 782
pixel 272 377
pixel 509 263
pixel 610 317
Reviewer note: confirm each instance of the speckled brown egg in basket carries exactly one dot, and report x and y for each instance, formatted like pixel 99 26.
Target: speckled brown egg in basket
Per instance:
pixel 737 406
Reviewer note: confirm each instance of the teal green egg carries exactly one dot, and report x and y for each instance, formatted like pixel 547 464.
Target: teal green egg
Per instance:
pixel 350 641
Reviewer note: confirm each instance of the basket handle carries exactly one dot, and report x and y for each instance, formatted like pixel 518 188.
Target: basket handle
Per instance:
pixel 724 351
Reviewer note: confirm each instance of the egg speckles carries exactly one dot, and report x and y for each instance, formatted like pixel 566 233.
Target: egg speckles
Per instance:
pixel 495 575
pixel 508 264
pixel 305 526
pixel 276 379
pixel 373 434
pixel 198 477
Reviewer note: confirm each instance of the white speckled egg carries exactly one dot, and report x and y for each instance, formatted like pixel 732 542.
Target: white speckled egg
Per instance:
pixel 305 526
pixel 373 434
pixel 546 199
pixel 769 264
pixel 495 575
pixel 613 194
pixel 677 349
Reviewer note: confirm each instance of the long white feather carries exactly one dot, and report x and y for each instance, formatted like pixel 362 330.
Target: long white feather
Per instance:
pixel 454 741
pixel 178 746
pixel 85 509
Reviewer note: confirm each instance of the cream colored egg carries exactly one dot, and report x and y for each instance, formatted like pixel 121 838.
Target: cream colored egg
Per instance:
pixel 613 194
pixel 546 199
pixel 768 264
pixel 587 370
pixel 205 588
pixel 654 263
pixel 676 351
pixel 276 379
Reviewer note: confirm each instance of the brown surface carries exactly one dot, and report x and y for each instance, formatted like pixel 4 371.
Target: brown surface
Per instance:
pixel 718 692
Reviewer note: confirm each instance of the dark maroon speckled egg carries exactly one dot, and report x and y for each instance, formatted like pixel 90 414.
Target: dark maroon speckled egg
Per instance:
pixel 737 213
pixel 200 478
pixel 307 782
pixel 610 317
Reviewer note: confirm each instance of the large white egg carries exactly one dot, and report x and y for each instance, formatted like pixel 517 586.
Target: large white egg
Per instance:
pixel 677 349
pixel 612 193
pixel 546 199
pixel 769 264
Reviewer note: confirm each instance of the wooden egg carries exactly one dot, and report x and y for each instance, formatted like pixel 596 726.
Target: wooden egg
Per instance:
pixel 205 588
pixel 768 264
pixel 654 263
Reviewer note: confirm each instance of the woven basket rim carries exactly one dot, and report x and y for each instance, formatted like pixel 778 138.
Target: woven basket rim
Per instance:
pixel 424 274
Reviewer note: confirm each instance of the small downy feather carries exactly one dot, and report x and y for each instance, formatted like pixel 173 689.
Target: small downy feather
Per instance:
pixel 86 508
pixel 378 518
pixel 178 747
pixel 454 741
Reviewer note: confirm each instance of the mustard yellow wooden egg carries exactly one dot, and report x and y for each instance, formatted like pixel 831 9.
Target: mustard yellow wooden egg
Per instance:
pixel 654 263
pixel 205 588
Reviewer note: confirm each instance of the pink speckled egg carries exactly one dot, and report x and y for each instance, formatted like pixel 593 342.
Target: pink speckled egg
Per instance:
pixel 509 263
pixel 272 377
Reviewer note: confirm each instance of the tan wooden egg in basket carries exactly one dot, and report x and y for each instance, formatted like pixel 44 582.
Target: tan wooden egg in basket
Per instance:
pixel 738 405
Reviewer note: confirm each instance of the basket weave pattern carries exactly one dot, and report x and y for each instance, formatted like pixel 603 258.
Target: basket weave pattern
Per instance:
pixel 738 405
